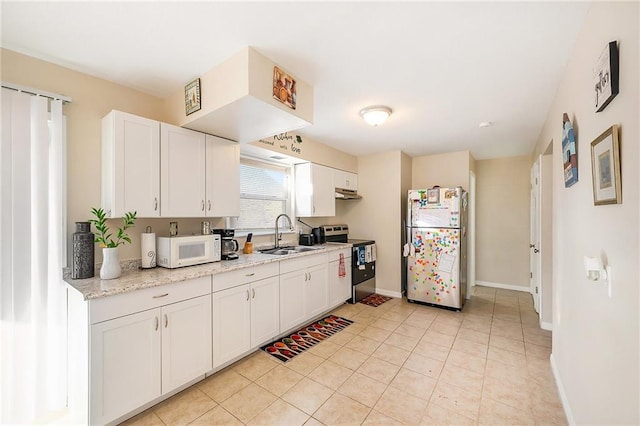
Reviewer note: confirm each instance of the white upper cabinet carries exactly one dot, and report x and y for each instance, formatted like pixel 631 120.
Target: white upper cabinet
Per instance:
pixel 345 180
pixel 315 191
pixel 182 172
pixel 223 177
pixel 130 165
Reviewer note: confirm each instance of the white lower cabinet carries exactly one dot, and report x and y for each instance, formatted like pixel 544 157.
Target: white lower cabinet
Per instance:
pixel 125 365
pixel 137 357
pixel 304 291
pixel 339 286
pixel 244 316
pixel 186 341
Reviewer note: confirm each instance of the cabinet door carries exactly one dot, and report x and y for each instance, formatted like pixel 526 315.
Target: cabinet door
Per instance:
pixel 223 177
pixel 265 310
pixel 339 287
pixel 186 341
pixel 315 191
pixel 231 323
pixel 324 198
pixel 351 181
pixel 182 172
pixel 130 165
pixel 292 296
pixel 124 365
pixel 316 291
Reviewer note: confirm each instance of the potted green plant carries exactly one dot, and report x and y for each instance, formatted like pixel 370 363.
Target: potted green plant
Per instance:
pixel 110 260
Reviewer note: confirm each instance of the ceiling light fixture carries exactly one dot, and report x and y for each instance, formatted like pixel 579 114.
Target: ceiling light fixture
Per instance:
pixel 375 115
pixel 485 124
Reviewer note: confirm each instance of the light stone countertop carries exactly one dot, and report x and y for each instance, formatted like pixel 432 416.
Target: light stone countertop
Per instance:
pixel 136 279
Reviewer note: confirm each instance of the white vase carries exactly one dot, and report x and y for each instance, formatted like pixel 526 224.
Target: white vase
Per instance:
pixel 110 264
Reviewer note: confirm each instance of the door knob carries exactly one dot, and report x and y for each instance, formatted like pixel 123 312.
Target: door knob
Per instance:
pixel 536 250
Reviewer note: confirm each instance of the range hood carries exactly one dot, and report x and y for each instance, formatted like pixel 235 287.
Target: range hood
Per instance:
pixel 347 194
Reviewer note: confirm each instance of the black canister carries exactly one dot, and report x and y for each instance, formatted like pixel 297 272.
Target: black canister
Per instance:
pixel 83 252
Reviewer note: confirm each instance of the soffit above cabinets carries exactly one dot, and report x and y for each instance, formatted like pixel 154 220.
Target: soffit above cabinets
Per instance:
pixel 238 103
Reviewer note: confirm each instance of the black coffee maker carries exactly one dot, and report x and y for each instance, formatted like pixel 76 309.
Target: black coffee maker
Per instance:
pixel 228 246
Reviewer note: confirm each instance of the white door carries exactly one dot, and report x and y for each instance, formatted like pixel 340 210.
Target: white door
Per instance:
pixel 182 172
pixel 231 323
pixel 317 290
pixel 186 341
pixel 131 165
pixel 124 365
pixel 339 287
pixel 534 236
pixel 324 198
pixel 223 177
pixel 292 300
pixel 265 310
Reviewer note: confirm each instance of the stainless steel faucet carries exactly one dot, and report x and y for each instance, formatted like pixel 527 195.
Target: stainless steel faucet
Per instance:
pixel 277 237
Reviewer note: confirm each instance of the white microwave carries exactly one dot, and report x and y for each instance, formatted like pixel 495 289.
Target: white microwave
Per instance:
pixel 176 252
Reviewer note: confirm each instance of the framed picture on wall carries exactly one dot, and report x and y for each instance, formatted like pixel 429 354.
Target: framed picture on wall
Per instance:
pixel 284 88
pixel 605 76
pixel 605 167
pixel 569 152
pixel 192 97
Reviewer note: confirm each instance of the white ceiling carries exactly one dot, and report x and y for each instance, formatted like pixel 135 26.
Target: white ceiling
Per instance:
pixel 443 67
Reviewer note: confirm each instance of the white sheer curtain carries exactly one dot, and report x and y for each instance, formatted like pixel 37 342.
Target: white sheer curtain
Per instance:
pixel 32 249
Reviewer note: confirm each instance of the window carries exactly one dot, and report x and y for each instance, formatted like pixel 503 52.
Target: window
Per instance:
pixel 264 194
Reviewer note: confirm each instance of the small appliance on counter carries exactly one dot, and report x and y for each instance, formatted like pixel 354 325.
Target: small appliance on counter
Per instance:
pixel 306 240
pixel 229 246
pixel 176 252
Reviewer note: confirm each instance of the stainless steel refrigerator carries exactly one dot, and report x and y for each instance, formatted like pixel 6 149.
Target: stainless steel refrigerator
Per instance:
pixel 436 249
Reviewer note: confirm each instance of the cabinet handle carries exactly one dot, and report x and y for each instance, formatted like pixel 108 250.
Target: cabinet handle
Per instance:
pixel 202 203
pixel 166 321
pixel 209 201
pixel 250 275
pixel 247 295
pixel 160 295
pixel 155 204
pixel 253 290
pixel 157 323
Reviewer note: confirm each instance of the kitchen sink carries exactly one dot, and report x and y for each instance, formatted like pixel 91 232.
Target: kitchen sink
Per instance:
pixel 281 251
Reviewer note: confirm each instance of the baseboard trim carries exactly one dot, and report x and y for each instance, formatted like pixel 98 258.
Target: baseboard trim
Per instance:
pixel 503 286
pixel 389 293
pixel 561 391
pixel 546 325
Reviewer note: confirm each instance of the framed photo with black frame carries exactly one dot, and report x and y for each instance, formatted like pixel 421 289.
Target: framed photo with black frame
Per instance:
pixel 605 76
pixel 605 168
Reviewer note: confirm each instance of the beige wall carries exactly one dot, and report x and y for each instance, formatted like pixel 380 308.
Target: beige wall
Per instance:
pixel 378 215
pixel 92 99
pixel 308 150
pixel 596 338
pixel 502 221
pixel 446 170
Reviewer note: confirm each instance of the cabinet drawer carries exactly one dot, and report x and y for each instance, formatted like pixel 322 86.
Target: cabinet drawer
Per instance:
pixel 302 262
pixel 335 254
pixel 238 277
pixel 140 300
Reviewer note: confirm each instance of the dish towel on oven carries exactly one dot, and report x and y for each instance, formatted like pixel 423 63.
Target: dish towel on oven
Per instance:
pixel 342 272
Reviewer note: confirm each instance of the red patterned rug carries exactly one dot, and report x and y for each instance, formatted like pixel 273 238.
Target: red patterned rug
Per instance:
pixel 375 300
pixel 288 347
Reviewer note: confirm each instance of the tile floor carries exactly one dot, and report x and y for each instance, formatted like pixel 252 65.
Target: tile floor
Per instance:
pixel 399 363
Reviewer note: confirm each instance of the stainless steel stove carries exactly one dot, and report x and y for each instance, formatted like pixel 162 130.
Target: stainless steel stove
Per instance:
pixel 363 260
